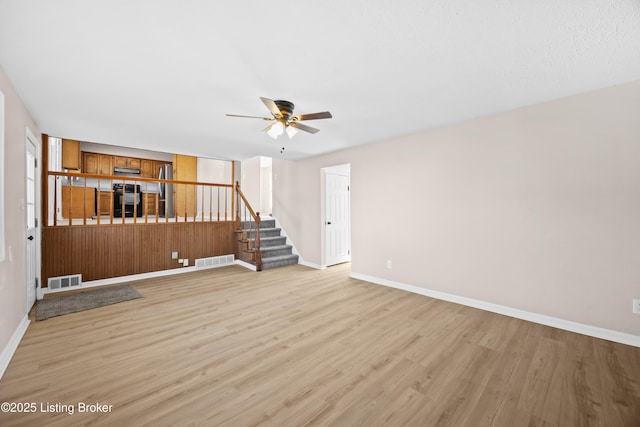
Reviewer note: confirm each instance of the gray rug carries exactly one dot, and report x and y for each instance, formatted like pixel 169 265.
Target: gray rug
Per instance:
pixel 72 303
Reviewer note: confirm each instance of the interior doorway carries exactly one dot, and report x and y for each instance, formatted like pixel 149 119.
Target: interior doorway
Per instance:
pixel 337 214
pixel 32 197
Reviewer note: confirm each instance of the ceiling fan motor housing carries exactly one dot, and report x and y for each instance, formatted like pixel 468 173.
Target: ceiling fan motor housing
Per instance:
pixel 285 107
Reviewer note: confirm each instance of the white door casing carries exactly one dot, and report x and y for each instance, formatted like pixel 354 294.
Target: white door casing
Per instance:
pixel 337 219
pixel 31 213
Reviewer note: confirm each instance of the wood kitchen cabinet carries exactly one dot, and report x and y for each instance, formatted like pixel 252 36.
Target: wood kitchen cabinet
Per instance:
pixel 127 162
pixel 103 164
pixel 97 164
pixel 149 203
pixel 119 162
pixel 133 162
pixel 78 202
pixel 146 169
pixel 71 156
pixel 105 202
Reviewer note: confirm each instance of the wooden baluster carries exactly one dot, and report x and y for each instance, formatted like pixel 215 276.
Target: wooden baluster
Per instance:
pixel 97 201
pixel 195 202
pixel 111 204
pixel 70 178
pixel 135 205
pixel 257 243
pixel 55 201
pixel 122 202
pixel 210 204
pixel 84 201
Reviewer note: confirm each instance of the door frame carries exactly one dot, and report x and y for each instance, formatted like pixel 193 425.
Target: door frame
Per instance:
pixel 30 138
pixel 345 170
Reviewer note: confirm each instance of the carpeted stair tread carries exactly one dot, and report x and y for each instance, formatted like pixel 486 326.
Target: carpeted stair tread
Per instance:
pixel 278 257
pixel 278 261
pixel 265 223
pixel 275 248
pixel 270 251
pixel 266 232
pixel 269 240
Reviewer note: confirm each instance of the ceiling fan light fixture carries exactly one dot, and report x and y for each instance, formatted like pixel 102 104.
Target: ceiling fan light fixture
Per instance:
pixel 275 130
pixel 291 131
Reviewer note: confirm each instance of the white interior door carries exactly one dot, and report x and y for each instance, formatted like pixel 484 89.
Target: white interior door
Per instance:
pixel 337 219
pixel 30 210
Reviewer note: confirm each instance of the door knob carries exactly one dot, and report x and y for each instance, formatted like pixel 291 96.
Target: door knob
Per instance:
pixel 30 237
pixel 328 222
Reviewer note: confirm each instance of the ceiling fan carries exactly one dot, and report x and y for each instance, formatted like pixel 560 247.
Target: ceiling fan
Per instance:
pixel 284 120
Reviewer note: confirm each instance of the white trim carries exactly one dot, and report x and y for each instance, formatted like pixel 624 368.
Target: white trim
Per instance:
pixel 37 232
pixel 246 265
pixel 132 277
pixel 310 264
pixel 12 345
pixel 567 325
pixel 140 276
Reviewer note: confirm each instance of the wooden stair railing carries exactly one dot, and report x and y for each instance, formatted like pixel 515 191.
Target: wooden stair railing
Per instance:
pixel 247 224
pixel 192 201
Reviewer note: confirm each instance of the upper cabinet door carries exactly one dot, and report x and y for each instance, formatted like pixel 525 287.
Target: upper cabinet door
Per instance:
pixel 134 163
pixel 71 157
pixel 119 162
pixel 90 163
pixel 146 169
pixel 105 164
pixel 97 164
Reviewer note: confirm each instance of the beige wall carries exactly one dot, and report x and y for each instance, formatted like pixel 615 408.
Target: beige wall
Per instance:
pixel 535 209
pixel 12 270
pixel 250 182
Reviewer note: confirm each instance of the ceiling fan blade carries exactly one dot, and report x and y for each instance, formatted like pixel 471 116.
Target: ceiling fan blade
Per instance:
pixel 312 116
pixel 304 127
pixel 272 107
pixel 249 117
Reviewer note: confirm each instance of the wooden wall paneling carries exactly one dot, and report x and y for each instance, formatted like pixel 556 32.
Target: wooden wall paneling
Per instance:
pixel 106 251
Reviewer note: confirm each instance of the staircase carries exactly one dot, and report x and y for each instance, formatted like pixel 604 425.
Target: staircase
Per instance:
pixel 274 250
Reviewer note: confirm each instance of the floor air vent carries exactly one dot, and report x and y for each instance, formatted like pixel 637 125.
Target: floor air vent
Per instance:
pixel 64 282
pixel 216 261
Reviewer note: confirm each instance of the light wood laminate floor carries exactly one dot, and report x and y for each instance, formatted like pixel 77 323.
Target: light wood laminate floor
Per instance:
pixel 296 346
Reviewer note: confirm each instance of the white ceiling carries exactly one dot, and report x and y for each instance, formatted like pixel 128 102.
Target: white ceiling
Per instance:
pixel 161 75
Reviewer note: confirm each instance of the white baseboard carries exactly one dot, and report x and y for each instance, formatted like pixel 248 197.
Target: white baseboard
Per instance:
pixel 132 277
pixel 567 325
pixel 12 345
pixel 246 265
pixel 310 264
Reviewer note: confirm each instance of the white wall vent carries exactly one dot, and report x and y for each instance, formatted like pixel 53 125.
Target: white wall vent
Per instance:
pixel 63 283
pixel 216 261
